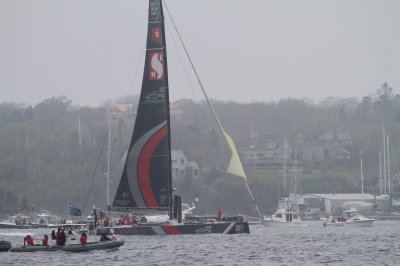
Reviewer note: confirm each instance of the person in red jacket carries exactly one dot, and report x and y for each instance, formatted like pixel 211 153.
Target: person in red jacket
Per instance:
pixel 219 214
pixel 29 240
pixel 58 235
pixel 83 239
pixel 45 240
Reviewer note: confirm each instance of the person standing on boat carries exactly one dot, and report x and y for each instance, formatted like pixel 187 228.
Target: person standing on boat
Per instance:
pixel 18 220
pixel 58 236
pixel 53 235
pixel 83 239
pixel 45 240
pixel 219 214
pixel 63 238
pixel 121 220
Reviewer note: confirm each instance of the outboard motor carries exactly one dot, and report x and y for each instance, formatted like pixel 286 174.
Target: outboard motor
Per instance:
pixel 5 245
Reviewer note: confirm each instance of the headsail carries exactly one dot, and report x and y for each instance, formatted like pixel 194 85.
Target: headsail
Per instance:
pixel 146 178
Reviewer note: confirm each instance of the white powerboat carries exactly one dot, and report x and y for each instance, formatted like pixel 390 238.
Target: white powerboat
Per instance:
pixel 286 215
pixel 350 217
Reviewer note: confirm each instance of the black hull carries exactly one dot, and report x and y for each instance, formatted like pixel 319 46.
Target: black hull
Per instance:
pixel 179 229
pixel 71 248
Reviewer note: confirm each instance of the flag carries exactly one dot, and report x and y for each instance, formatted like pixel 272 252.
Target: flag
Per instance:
pixel 73 210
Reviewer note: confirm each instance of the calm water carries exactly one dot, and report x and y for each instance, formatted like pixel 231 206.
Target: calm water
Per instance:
pixel 313 245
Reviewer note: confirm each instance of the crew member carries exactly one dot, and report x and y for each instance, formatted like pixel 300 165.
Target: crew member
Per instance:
pixel 45 240
pixel 104 237
pixel 58 236
pixel 219 214
pixel 63 238
pixel 29 240
pixel 83 239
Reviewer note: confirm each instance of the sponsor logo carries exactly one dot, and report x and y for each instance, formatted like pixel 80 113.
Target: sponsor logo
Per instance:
pixel 125 195
pixel 158 96
pixel 239 228
pixel 154 9
pixel 156 66
pixel 155 34
pixel 204 230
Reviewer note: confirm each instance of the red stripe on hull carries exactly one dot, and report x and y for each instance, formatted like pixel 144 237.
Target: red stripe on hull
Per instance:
pixel 144 167
pixel 171 230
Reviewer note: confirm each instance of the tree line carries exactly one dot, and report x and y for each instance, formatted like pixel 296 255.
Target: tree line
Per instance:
pixel 55 151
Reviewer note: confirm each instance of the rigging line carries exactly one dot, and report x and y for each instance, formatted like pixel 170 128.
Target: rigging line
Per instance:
pixel 192 65
pixel 137 70
pixel 209 103
pixel 181 61
pixel 395 159
pixel 94 172
pixel 187 76
pixel 199 109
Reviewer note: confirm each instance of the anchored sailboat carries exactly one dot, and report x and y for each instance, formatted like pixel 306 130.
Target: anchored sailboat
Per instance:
pixel 146 182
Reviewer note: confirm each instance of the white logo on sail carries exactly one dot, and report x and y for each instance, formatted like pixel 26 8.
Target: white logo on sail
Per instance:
pixel 158 96
pixel 156 66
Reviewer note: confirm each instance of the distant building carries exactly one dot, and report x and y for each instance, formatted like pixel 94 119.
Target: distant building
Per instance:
pixel 118 113
pixel 176 112
pixel 328 146
pixel 269 154
pixel 330 202
pixel 182 167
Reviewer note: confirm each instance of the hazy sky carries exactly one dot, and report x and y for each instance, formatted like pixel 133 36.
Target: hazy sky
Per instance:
pixel 244 50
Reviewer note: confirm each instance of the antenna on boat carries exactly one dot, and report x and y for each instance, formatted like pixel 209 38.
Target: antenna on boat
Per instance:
pixel 235 167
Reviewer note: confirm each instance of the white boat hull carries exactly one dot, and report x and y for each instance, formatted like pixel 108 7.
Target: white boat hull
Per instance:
pixel 272 223
pixel 367 222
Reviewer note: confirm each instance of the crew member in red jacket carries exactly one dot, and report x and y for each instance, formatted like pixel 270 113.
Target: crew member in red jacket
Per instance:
pixel 83 239
pixel 58 235
pixel 45 240
pixel 29 240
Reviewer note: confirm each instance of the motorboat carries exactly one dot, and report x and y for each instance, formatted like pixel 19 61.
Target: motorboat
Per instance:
pixel 18 222
pixel 361 206
pixel 287 214
pixel 350 217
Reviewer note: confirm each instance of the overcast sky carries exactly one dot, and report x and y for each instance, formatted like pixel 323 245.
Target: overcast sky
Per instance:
pixel 244 50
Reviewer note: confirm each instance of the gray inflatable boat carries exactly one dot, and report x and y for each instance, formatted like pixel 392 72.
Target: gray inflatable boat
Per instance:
pixel 71 248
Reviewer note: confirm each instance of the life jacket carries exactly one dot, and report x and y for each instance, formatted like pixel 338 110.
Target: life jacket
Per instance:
pixel 29 241
pixel 44 241
pixel 83 240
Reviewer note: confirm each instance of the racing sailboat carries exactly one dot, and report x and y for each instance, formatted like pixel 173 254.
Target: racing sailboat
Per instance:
pixel 146 182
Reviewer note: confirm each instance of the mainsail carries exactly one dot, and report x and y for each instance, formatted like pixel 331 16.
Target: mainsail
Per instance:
pixel 146 178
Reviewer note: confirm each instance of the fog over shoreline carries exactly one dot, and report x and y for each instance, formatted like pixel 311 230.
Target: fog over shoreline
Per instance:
pixel 92 51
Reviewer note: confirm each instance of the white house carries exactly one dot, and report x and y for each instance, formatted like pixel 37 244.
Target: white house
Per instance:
pixel 182 167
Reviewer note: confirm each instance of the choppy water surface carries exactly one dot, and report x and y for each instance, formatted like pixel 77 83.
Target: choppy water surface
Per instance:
pixel 312 245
